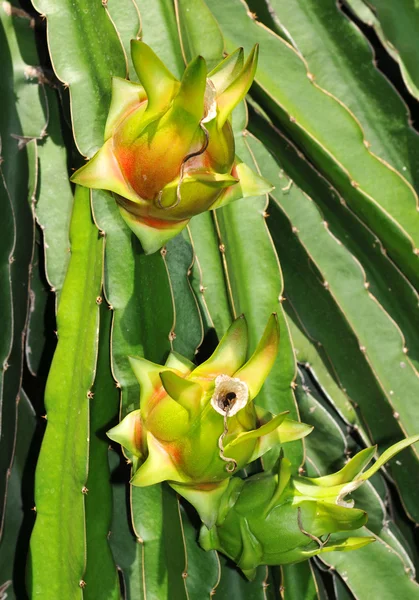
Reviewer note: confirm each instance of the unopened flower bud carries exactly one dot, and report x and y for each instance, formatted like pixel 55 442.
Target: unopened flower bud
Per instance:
pixel 169 151
pixel 196 426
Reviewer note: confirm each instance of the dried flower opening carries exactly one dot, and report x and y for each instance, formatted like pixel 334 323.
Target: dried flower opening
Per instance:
pixel 230 395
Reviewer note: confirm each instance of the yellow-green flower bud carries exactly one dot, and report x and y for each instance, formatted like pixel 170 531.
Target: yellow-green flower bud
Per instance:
pixel 197 426
pixel 169 150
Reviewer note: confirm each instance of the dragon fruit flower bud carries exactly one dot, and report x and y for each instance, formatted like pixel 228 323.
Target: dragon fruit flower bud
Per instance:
pixel 280 519
pixel 169 151
pixel 197 425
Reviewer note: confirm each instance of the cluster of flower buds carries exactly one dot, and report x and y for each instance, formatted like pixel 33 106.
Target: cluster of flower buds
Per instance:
pixel 169 151
pixel 198 426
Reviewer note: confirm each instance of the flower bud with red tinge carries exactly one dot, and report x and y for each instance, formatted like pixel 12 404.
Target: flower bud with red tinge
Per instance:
pixel 169 150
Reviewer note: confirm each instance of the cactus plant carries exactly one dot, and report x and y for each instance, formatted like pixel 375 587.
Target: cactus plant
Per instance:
pixel 122 290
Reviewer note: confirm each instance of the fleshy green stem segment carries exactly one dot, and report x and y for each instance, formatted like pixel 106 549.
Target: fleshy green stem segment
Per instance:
pixel 169 150
pixel 196 427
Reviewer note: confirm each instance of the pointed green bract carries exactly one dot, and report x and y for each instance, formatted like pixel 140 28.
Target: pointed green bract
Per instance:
pixel 252 550
pixel 238 88
pixel 332 518
pixel 229 355
pixel 288 431
pixel 187 393
pixel 351 543
pixel 206 499
pixel 327 494
pixel 126 96
pixel 268 427
pixel 160 85
pixel 104 172
pixel 226 72
pixel 255 371
pixel 152 238
pixel 194 184
pixel 350 471
pixel 157 467
pixel 179 363
pixel 128 433
pixel 353 470
pixel 281 483
pixel 190 97
pixel 147 374
pixel 335 488
pixel 249 184
pixel 387 455
pixel 250 574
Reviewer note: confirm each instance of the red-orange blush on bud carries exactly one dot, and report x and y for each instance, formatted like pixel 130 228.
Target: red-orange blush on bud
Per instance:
pixel 169 151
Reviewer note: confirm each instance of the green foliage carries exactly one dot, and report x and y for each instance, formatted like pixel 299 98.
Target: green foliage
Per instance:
pixel 333 250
